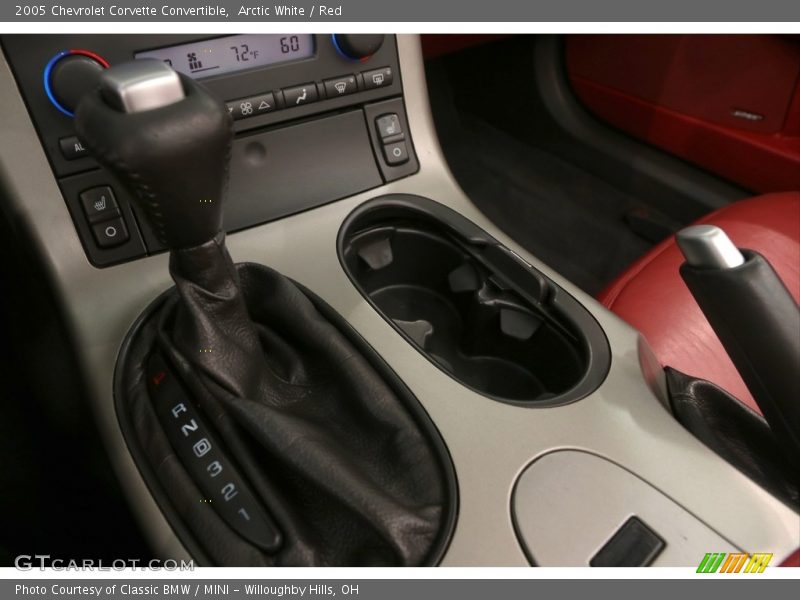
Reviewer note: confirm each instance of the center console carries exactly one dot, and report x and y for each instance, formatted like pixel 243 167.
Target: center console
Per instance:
pixel 550 410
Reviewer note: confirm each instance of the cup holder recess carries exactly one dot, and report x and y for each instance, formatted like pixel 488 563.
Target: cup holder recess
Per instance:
pixel 470 305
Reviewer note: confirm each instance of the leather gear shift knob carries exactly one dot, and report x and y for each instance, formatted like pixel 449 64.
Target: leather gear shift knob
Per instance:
pixel 170 147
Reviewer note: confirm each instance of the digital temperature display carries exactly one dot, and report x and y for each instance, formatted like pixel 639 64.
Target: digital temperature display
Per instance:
pixel 233 53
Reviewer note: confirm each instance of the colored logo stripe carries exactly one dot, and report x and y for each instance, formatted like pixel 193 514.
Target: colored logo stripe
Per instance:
pixel 734 562
pixel 758 562
pixel 713 562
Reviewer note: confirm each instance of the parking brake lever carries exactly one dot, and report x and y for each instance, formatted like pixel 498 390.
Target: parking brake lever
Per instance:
pixel 168 140
pixel 755 318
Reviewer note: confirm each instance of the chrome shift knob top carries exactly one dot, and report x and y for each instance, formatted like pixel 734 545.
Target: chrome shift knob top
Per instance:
pixel 141 85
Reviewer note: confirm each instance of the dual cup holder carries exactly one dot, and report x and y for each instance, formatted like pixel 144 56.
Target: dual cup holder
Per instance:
pixel 470 305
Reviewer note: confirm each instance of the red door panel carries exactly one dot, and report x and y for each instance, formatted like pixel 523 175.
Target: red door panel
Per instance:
pixel 729 103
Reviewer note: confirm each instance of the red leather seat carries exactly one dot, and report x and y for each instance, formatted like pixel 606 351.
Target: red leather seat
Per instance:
pixel 651 296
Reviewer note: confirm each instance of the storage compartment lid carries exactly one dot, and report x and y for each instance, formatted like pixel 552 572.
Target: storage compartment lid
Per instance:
pixel 568 506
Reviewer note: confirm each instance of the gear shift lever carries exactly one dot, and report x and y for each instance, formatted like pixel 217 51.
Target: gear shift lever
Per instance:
pixel 168 140
pixel 340 455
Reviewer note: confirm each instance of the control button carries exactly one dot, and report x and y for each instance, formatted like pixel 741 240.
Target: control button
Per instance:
pixel 396 153
pixel 340 86
pixel 110 233
pixel 250 107
pixel 377 78
pixel 69 75
pixel 241 109
pixel 388 126
pixel 72 148
pixel 99 204
pixel 263 104
pixel 633 545
pixel 301 94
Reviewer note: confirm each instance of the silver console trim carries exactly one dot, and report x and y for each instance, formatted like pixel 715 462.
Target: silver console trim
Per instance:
pixel 490 442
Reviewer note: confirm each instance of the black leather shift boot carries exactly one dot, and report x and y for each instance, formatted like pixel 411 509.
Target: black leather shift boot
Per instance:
pixel 734 431
pixel 333 447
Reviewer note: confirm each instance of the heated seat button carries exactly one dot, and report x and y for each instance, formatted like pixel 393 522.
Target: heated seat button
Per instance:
pixel 396 154
pixel 110 233
pixel 378 78
pixel 99 204
pixel 72 148
pixel 388 126
pixel 340 86
pixel 300 94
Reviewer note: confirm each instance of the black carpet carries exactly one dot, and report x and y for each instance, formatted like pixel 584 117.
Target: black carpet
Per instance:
pixel 565 216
